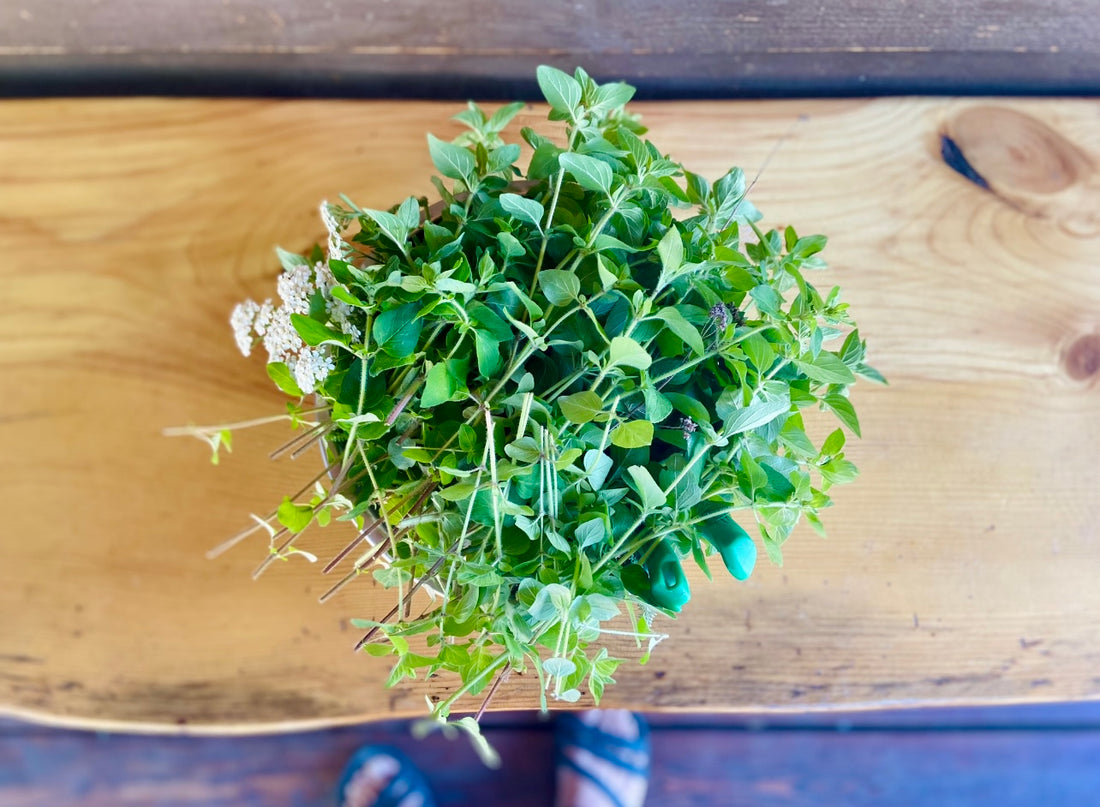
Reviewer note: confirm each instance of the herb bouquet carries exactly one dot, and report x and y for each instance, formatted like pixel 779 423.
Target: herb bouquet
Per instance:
pixel 541 395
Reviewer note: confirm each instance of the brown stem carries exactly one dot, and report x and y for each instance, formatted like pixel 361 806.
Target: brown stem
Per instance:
pixel 308 443
pixel 240 536
pixel 366 561
pixel 425 491
pixel 408 597
pixel 400 406
pixel 305 435
pixel 504 674
pixel 337 482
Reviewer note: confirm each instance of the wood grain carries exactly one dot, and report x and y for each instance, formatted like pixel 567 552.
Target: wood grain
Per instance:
pixel 712 47
pixel 960 569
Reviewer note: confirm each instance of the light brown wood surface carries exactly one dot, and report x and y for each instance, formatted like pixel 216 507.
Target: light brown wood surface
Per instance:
pixel 962 567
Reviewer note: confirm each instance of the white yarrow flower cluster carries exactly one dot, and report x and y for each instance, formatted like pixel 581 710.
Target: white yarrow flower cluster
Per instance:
pixel 252 321
pixel 336 220
pixel 242 319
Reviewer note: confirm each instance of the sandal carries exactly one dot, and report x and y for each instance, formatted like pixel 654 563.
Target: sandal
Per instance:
pixel 572 732
pixel 406 782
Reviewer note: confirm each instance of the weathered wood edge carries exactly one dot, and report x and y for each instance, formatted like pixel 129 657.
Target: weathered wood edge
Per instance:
pixel 84 723
pixel 664 77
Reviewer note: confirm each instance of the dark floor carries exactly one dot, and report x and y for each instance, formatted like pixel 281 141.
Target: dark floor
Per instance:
pixel 1033 755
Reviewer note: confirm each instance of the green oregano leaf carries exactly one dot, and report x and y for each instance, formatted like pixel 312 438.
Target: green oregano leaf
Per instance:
pixel 524 209
pixel 591 174
pixel 278 372
pixel 454 162
pixel 651 494
pixel 397 330
pixel 626 352
pixel 313 332
pixel 560 90
pixel 827 368
pixel 633 434
pixel 581 407
pixel 844 411
pixel 684 329
pixel 559 286
pixel 295 517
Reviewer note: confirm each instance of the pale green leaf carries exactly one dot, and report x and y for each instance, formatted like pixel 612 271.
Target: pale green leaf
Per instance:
pixel 561 90
pixel 524 209
pixel 760 352
pixel 671 250
pixel 758 413
pixel 633 434
pixel 844 411
pixel 607 278
pixel 313 333
pixel 826 368
pixel 682 328
pixel 581 407
pixel 657 406
pixel 591 174
pixel 452 161
pixel 295 517
pixel 559 286
pixel 650 492
pixel 558 667
pixel 390 225
pixel 283 378
pixel 597 466
pixel 552 601
pixel 590 532
pixel 290 260
pixel 625 352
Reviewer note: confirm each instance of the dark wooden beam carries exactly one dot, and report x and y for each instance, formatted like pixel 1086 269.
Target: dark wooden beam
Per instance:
pixel 489 48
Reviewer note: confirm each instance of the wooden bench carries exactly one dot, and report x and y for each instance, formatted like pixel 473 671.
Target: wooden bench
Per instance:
pixel 961 567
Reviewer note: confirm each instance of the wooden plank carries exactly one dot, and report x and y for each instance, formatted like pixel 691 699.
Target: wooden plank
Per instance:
pixel 423 48
pixel 79 769
pixel 960 569
pixel 699 766
pixel 922 769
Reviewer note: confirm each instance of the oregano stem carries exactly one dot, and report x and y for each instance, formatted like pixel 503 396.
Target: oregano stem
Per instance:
pixel 645 514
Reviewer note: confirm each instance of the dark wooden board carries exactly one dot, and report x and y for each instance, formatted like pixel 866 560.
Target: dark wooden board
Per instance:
pixel 908 759
pixel 718 48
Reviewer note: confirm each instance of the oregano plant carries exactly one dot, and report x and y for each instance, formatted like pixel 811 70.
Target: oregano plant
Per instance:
pixel 543 392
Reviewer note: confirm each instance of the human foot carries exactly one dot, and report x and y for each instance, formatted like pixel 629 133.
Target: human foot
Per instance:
pixel 382 777
pixel 602 759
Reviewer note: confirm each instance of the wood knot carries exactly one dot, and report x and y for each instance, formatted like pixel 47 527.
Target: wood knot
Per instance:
pixel 1026 163
pixel 1081 359
pixel 1015 151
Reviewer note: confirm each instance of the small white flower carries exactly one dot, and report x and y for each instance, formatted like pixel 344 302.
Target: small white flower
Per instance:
pixel 303 373
pixel 351 330
pixel 242 319
pixel 281 340
pixel 296 286
pixel 311 368
pixel 263 318
pixel 336 219
pixel 322 277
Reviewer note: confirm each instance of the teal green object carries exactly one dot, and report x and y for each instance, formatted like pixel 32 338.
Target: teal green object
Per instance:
pixel 668 587
pixel 636 581
pixel 736 546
